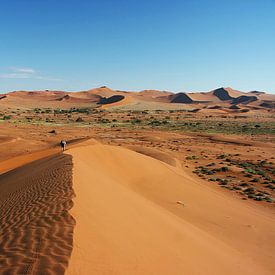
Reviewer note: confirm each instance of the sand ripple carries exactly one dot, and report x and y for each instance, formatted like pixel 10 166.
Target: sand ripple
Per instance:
pixel 36 230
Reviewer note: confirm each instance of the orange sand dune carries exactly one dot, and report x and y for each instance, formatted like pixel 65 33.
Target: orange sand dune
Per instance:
pixel 36 229
pixel 137 215
pixel 126 100
pixel 90 98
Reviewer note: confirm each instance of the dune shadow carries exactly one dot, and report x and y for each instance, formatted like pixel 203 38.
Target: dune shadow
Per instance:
pixel 36 228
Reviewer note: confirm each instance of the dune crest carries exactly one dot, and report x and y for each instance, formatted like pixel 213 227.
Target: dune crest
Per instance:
pixel 129 220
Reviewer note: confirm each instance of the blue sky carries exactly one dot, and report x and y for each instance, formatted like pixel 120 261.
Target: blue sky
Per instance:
pixel 187 45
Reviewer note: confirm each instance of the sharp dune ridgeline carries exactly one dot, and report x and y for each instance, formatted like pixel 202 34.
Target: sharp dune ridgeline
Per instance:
pixel 102 209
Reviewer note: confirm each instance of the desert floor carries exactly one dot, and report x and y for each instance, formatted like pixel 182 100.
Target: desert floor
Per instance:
pixel 135 201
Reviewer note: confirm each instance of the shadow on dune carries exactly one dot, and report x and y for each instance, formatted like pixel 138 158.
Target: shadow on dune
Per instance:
pixel 112 99
pixel 36 229
pixel 222 94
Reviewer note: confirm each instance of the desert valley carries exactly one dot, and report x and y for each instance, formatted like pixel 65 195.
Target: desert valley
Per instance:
pixel 151 182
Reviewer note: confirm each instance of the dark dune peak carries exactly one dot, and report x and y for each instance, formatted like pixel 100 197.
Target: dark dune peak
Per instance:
pixel 244 99
pixel 180 98
pixel 222 94
pixel 112 99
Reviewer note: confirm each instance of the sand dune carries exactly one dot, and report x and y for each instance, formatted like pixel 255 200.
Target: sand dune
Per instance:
pixel 36 229
pixel 132 213
pixel 180 98
pixel 137 215
pixel 244 99
pixel 111 98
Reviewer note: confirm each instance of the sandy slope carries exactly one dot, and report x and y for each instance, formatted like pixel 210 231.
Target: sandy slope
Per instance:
pixel 128 220
pixel 36 229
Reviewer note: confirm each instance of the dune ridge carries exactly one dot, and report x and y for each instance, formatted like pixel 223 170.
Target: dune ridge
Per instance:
pixel 133 212
pixel 137 215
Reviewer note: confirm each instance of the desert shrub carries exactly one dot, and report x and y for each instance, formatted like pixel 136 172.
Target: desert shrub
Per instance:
pixel 52 132
pixel 260 172
pixel 268 199
pixel 245 164
pixel 223 181
pixel 135 120
pixel 224 169
pixel 196 171
pixel 79 119
pixel 249 190
pixel 255 180
pixel 258 199
pixel 191 157
pixel 83 110
pixel 154 123
pixel 251 171
pixel 6 117
pixel 104 120
pixel 244 184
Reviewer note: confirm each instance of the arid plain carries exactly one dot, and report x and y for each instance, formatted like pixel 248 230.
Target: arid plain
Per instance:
pixel 151 182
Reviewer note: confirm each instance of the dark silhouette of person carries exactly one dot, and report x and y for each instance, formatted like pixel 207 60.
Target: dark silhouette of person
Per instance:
pixel 63 145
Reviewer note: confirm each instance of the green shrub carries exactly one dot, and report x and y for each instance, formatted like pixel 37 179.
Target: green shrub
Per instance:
pixel 255 180
pixel 191 157
pixel 6 117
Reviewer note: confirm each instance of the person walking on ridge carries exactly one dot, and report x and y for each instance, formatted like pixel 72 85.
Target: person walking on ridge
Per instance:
pixel 63 144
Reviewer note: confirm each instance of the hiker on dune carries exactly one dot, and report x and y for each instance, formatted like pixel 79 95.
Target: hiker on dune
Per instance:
pixel 63 144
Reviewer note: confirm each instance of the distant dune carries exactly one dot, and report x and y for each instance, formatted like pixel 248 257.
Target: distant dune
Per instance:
pixel 244 99
pixel 222 94
pixel 109 98
pixel 180 98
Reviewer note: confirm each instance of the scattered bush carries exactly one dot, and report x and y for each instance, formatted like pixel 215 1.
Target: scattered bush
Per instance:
pixel 6 117
pixel 79 119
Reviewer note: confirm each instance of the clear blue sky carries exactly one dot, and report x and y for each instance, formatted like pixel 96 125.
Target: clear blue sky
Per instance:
pixel 176 45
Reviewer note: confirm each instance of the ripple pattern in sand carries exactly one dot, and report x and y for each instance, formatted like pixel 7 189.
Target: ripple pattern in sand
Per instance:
pixel 36 229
